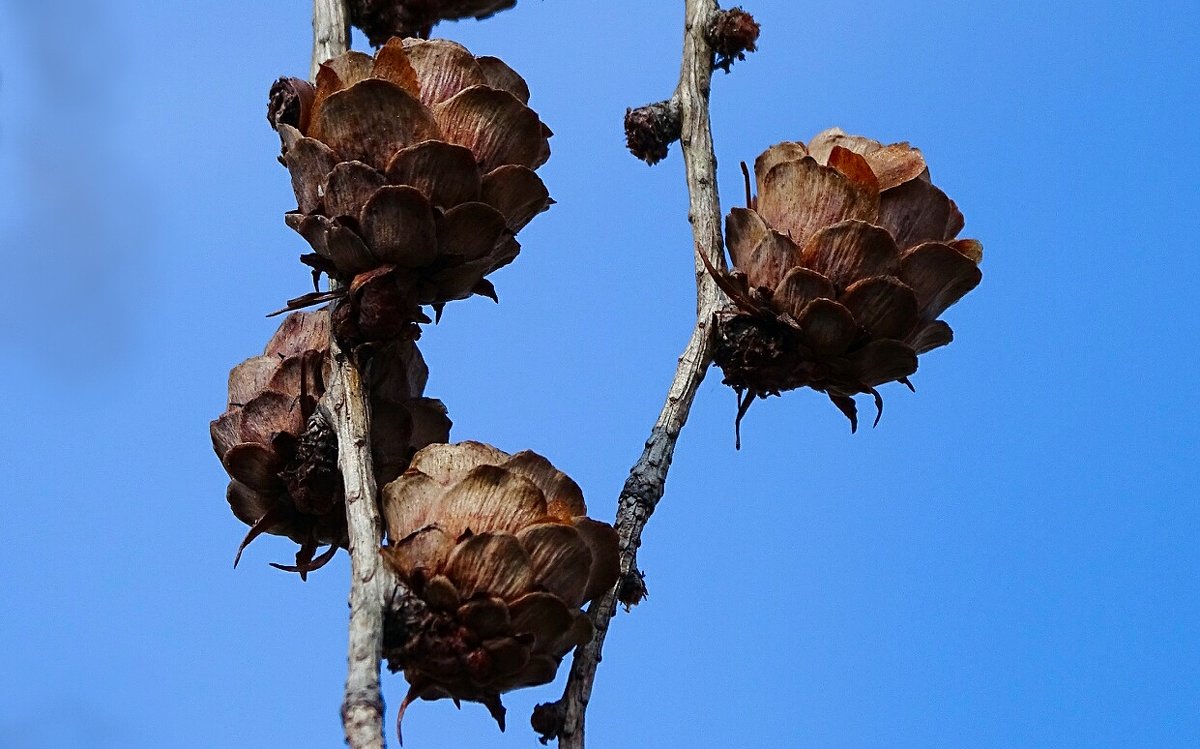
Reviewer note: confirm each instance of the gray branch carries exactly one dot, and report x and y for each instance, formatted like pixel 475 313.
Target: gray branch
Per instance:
pixel 331 32
pixel 647 480
pixel 362 705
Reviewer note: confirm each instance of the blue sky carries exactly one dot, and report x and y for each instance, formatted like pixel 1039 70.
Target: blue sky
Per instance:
pixel 1009 560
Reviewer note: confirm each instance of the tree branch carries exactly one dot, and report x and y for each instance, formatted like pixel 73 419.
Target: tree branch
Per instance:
pixel 645 485
pixel 350 414
pixel 331 32
pixel 362 705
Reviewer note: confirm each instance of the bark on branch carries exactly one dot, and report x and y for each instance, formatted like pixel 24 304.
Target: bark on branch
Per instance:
pixel 350 414
pixel 645 485
pixel 362 705
pixel 331 32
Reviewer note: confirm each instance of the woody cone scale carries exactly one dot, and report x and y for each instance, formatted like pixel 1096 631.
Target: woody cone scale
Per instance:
pixel 841 268
pixel 501 555
pixel 413 171
pixel 281 454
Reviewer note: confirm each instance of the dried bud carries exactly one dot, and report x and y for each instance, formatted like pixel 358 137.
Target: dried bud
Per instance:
pixel 290 103
pixel 377 307
pixel 842 266
pixel 419 160
pixel 651 129
pixel 500 551
pixel 731 33
pixel 381 19
pixel 632 589
pixel 548 720
pixel 280 452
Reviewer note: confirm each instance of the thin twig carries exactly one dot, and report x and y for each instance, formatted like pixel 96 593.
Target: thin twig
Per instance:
pixel 350 414
pixel 644 487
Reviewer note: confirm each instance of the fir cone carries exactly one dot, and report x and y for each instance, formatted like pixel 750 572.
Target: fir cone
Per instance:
pixel 500 554
pixel 280 451
pixel 380 19
pixel 841 267
pixel 415 166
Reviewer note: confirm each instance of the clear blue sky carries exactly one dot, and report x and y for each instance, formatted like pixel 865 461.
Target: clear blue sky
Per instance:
pixel 1011 559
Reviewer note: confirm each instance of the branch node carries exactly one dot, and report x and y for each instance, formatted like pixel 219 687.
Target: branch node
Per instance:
pixel 651 129
pixel 731 33
pixel 631 590
pixel 549 719
pixel 290 103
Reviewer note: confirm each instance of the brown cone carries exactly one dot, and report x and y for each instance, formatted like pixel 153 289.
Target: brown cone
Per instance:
pixel 380 19
pixel 418 162
pixel 501 554
pixel 841 267
pixel 281 454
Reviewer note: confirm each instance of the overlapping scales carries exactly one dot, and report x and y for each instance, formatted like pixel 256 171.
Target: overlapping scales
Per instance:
pixel 281 456
pixel 842 266
pixel 499 549
pixel 413 171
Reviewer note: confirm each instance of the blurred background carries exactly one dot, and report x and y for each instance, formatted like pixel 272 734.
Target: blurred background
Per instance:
pixel 1009 560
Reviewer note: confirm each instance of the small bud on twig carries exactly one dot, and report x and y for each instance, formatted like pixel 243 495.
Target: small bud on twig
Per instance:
pixel 649 130
pixel 548 720
pixel 632 589
pixel 290 103
pixel 731 33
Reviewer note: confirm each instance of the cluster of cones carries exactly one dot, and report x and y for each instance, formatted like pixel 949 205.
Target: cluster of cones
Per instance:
pixel 413 171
